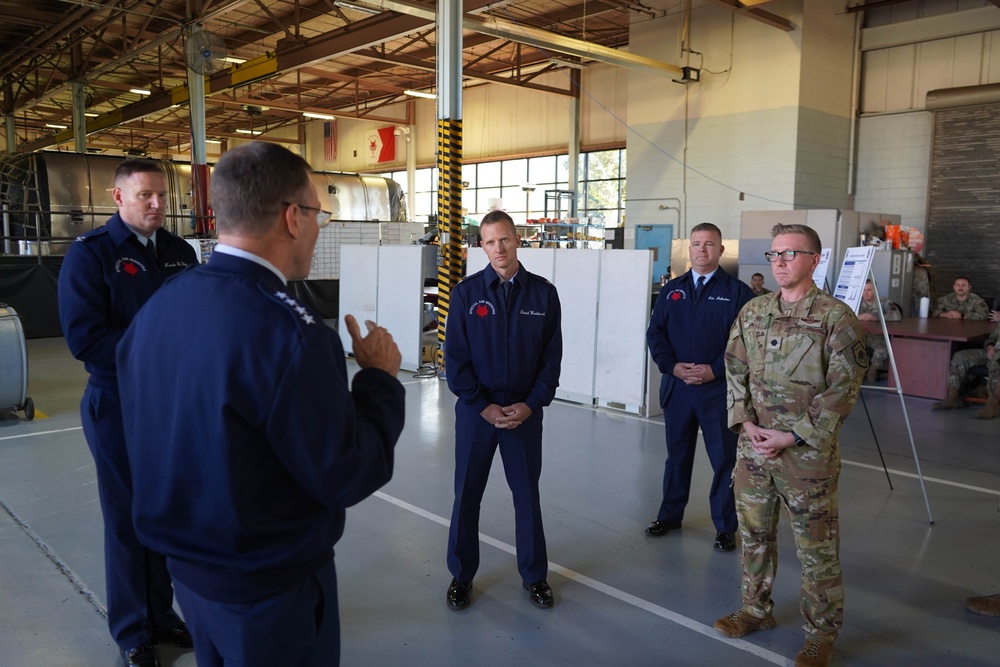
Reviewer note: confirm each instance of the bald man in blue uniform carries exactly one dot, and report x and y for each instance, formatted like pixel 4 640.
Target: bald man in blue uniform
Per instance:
pixel 687 338
pixel 257 443
pixel 503 350
pixel 107 275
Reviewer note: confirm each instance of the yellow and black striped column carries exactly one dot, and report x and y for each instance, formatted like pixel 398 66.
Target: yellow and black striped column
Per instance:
pixel 449 206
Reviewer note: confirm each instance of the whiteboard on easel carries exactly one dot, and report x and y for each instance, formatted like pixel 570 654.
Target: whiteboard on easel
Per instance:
pixel 853 274
pixel 819 275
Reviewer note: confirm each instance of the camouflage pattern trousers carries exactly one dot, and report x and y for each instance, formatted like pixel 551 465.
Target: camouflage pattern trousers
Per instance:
pixel 812 509
pixel 880 352
pixel 962 361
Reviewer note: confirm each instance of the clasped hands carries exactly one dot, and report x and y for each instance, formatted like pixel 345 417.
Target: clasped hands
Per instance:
pixel 693 373
pixel 766 441
pixel 506 417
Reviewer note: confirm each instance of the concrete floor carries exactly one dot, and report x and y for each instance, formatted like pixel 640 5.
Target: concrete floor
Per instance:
pixel 621 598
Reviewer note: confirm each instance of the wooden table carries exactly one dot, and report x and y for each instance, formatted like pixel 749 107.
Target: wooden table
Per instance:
pixel 923 349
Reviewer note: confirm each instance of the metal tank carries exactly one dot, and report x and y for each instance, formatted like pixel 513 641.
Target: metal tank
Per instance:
pixel 47 199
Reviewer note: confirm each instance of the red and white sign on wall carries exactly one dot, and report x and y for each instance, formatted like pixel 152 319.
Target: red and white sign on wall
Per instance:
pixel 381 145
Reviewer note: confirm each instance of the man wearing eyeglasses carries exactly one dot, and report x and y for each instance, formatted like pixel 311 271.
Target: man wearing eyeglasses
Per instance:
pixel 687 337
pixel 250 449
pixel 794 366
pixel 107 275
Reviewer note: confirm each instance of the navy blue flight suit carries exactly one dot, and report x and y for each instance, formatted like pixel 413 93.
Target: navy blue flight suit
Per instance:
pixel 256 447
pixel 682 329
pixel 107 275
pixel 504 356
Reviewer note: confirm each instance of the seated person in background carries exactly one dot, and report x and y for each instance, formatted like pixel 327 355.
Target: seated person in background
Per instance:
pixel 961 304
pixel 995 316
pixel 868 310
pixel 757 285
pixel 961 362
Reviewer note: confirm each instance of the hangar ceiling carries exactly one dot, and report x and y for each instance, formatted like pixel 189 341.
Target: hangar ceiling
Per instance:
pixel 339 57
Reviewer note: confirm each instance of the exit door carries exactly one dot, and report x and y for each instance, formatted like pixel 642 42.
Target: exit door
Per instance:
pixel 656 238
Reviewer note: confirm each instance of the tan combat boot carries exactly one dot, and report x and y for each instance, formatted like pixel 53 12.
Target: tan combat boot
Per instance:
pixel 815 653
pixel 743 623
pixel 950 401
pixel 987 605
pixel 991 409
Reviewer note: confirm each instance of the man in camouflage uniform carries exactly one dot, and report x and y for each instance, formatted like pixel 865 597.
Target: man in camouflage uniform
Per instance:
pixel 868 311
pixel 794 366
pixel 961 362
pixel 961 303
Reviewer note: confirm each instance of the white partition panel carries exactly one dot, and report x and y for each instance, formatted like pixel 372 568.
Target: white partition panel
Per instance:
pixel 475 260
pixel 540 261
pixel 577 276
pixel 622 317
pixel 358 287
pixel 401 298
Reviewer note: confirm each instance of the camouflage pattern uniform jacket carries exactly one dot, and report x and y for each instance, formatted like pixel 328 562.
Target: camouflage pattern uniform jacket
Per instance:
pixel 799 371
pixel 973 308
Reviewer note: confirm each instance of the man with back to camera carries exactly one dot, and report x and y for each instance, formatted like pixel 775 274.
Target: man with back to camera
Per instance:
pixel 794 366
pixel 961 303
pixel 868 311
pixel 687 337
pixel 757 285
pixel 258 443
pixel 107 275
pixel 503 350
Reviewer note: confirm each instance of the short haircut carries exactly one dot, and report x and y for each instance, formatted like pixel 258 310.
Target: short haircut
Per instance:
pixel 963 278
pixel 707 227
pixel 757 274
pixel 497 217
pixel 135 166
pixel 812 238
pixel 250 182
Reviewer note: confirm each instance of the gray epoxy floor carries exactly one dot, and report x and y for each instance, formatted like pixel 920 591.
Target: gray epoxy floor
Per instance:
pixel 621 598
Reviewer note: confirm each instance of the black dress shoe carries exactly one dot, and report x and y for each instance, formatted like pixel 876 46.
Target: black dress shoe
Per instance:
pixel 459 594
pixel 179 637
pixel 725 541
pixel 142 655
pixel 660 528
pixel 540 594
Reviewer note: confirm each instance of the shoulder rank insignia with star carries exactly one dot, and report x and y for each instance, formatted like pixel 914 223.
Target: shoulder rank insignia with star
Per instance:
pixel 302 311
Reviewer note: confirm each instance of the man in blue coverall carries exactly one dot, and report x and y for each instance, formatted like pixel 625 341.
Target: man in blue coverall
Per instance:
pixel 107 275
pixel 503 350
pixel 257 442
pixel 687 338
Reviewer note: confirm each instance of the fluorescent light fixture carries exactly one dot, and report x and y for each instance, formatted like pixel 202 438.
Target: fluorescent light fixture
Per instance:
pixel 356 8
pixel 420 93
pixel 140 91
pixel 91 115
pixel 234 60
pixel 321 116
pixel 253 132
pixel 213 141
pixel 56 126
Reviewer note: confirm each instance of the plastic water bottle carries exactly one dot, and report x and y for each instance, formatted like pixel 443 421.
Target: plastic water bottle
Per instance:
pixel 925 306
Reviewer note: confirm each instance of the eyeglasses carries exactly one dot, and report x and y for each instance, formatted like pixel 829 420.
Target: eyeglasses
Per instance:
pixel 322 217
pixel 787 255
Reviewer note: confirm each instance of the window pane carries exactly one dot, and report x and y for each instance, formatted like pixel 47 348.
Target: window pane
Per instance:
pixel 469 201
pixel 542 170
pixel 602 194
pixel 489 175
pixel 423 204
pixel 469 175
pixel 484 197
pixel 602 164
pixel 422 180
pixel 515 172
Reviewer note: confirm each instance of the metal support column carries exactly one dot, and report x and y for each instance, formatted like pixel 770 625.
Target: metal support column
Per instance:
pixel 199 157
pixel 449 158
pixel 79 120
pixel 10 132
pixel 575 110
